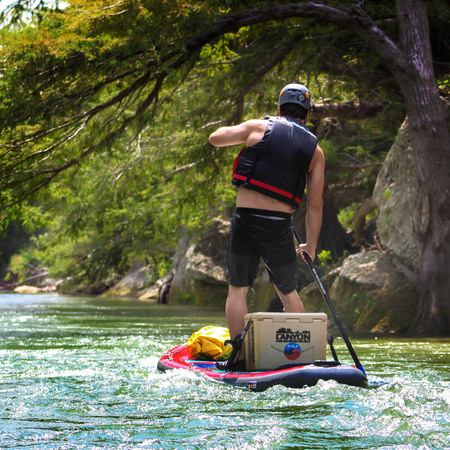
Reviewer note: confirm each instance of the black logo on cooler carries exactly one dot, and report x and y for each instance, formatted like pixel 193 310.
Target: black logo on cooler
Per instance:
pixel 287 335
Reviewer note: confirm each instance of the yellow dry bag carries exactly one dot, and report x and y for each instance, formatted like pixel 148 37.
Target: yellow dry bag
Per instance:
pixel 209 343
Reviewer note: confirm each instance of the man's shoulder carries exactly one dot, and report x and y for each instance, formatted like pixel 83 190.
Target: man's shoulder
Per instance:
pixel 255 124
pixel 257 121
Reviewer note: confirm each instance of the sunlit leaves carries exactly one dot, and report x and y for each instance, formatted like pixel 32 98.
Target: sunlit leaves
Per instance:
pixel 106 106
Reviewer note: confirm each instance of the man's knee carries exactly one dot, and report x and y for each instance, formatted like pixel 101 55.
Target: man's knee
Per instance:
pixel 237 291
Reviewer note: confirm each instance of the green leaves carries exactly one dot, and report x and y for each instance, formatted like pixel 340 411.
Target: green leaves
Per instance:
pixel 106 107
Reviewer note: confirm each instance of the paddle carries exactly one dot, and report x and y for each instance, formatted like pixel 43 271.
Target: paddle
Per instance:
pixel 336 318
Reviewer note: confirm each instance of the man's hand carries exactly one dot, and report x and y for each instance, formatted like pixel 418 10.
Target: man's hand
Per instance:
pixel 305 248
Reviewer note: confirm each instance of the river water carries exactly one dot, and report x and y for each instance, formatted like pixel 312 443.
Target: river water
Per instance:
pixel 80 373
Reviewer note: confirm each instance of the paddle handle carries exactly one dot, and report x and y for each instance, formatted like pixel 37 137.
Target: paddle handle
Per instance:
pixel 327 299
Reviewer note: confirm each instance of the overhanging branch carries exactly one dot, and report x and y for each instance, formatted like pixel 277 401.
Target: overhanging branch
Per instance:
pixel 350 17
pixel 348 110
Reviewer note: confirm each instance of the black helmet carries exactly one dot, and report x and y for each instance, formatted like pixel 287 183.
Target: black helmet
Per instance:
pixel 295 93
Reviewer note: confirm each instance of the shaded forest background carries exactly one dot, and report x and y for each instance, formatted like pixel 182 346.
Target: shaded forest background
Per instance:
pixel 106 108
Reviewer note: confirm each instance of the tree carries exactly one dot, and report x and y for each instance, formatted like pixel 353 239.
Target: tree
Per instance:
pixel 81 82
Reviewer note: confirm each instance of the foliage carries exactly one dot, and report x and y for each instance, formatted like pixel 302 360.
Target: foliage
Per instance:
pixel 106 106
pixel 325 258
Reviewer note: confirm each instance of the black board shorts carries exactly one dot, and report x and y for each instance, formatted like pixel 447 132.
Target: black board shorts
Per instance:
pixel 258 233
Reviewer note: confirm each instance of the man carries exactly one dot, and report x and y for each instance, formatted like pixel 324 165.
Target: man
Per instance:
pixel 280 158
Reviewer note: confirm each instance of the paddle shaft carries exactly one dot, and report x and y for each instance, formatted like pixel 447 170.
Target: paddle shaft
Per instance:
pixel 336 318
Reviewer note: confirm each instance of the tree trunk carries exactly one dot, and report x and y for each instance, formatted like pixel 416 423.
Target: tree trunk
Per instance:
pixel 431 143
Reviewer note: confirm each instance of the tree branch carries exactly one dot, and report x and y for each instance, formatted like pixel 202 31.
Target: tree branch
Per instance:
pixel 349 17
pixel 348 110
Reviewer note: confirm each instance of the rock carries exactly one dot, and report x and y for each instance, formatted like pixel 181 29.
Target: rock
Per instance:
pixel 370 294
pixel 395 194
pixel 200 266
pixel 150 294
pixel 27 290
pixel 206 259
pixel 159 291
pixel 49 283
pixel 133 284
pixel 311 296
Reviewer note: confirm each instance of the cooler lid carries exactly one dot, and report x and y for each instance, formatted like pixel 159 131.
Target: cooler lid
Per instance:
pixel 283 317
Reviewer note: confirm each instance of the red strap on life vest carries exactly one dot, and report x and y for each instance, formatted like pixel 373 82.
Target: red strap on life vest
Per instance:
pixel 269 187
pixel 237 159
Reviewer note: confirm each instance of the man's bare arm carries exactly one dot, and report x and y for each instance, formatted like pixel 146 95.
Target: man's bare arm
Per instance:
pixel 314 205
pixel 249 132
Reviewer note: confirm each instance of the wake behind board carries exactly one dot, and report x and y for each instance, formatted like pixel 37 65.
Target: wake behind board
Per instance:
pixel 291 375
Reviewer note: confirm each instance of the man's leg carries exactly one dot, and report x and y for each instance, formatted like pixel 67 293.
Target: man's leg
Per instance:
pixel 291 301
pixel 236 309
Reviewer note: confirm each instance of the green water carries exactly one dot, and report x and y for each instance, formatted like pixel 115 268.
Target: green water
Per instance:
pixel 81 373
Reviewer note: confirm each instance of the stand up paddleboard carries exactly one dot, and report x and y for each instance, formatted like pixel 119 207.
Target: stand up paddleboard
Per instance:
pixel 290 375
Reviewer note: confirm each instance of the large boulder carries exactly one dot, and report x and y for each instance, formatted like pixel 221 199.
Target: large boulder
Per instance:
pixel 395 194
pixel 199 267
pixel 369 292
pixel 200 271
pixel 136 281
pixel 27 290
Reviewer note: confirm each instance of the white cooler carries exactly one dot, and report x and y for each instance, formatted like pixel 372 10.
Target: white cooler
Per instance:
pixel 276 339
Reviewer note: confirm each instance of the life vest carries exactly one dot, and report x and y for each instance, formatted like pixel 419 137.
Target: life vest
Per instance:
pixel 277 165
